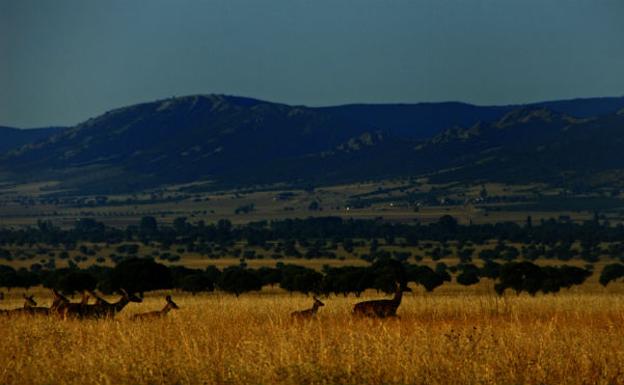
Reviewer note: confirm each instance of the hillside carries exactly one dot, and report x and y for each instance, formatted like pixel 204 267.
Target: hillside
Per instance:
pixel 232 141
pixel 425 120
pixel 12 138
pixel 179 140
pixel 536 145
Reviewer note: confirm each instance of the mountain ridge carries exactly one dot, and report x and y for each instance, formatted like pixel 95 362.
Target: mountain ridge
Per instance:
pixel 234 141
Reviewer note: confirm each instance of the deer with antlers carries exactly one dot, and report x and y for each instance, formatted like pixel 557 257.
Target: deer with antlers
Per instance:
pixel 308 313
pixel 381 308
pixel 158 313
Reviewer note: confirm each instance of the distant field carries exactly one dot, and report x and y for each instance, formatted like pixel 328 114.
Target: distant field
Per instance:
pixel 399 201
pixel 446 337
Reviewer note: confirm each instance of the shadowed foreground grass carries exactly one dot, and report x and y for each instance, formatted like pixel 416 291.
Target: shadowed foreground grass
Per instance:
pixel 570 338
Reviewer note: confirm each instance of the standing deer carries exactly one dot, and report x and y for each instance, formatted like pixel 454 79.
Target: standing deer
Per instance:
pixel 158 313
pixel 57 302
pixel 105 309
pixel 308 313
pixel 66 309
pixel 381 308
pixel 80 309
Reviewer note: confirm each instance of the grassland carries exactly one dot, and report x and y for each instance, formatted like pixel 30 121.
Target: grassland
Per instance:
pixel 453 336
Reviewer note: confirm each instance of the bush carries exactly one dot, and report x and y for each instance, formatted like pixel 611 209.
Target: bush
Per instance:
pixel 611 273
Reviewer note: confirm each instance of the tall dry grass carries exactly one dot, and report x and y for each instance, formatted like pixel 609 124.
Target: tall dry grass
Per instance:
pixel 477 338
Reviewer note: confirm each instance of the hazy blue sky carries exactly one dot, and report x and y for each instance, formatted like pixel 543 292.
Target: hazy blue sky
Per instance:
pixel 62 61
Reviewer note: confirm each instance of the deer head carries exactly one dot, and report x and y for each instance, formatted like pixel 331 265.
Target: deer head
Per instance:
pixel 29 300
pixel 170 302
pixel 130 297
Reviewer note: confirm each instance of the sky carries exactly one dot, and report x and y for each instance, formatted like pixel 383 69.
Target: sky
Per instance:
pixel 64 61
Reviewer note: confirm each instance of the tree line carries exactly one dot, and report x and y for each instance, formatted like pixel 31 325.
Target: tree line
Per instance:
pixel 138 275
pixel 181 231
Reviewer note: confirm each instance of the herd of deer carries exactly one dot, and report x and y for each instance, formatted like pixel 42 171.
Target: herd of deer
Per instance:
pixel 64 308
pixel 381 308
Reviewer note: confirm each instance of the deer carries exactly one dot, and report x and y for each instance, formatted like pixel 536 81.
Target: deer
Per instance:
pixel 381 308
pixel 308 313
pixel 68 309
pixel 104 309
pixel 30 308
pixel 157 313
pixel 57 301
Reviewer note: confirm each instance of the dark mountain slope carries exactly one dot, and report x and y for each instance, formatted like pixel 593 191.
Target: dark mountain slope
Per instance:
pixel 535 145
pixel 417 121
pixel 234 141
pixel 183 139
pixel 425 120
pixel 12 138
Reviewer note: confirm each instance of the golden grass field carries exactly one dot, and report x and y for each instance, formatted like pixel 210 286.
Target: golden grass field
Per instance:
pixel 452 336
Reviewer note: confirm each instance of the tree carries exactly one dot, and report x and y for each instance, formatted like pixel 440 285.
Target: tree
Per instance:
pixel 490 270
pixel 8 277
pixel 469 275
pixel 425 276
pixel 71 281
pixel 238 280
pixel 180 225
pixel 195 283
pixel 387 274
pixel 270 275
pixel 140 275
pixel 301 279
pixel 213 273
pixel 441 270
pixel 525 276
pixel 148 225
pixel 555 278
pixel 611 273
pixel 520 276
pixel 347 279
pixel 465 255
